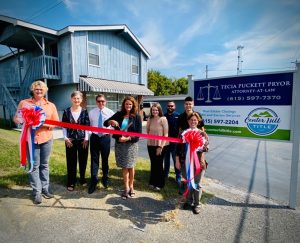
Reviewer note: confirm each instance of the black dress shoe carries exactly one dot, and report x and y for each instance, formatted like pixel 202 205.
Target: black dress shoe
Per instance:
pixel 105 182
pixel 92 188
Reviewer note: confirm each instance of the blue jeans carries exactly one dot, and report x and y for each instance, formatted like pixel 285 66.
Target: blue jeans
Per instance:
pixel 39 177
pixel 171 151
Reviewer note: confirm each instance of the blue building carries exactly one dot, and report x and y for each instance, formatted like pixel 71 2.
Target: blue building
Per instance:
pixel 95 59
pixel 163 101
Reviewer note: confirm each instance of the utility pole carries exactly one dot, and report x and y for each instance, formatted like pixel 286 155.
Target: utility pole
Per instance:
pixel 295 62
pixel 240 61
pixel 206 71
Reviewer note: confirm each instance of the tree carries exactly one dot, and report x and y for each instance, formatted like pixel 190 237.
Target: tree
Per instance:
pixel 162 85
pixel 181 86
pixel 158 83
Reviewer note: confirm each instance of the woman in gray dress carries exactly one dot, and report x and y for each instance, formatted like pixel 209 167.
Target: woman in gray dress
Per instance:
pixel 126 147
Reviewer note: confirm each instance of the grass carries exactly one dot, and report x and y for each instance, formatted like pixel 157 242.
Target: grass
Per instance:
pixel 11 174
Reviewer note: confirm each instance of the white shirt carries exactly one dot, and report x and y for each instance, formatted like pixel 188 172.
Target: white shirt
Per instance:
pixel 75 116
pixel 94 116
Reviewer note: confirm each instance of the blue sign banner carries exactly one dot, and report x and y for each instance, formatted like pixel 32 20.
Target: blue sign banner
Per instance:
pixel 256 90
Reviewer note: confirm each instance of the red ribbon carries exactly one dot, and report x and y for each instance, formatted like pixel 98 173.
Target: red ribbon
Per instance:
pixel 31 118
pixel 111 131
pixel 194 138
pixel 195 141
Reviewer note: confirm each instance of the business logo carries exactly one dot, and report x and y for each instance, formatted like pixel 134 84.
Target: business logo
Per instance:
pixel 262 121
pixel 208 97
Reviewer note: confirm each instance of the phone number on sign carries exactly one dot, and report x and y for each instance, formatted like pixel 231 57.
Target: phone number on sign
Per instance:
pixel 221 121
pixel 256 97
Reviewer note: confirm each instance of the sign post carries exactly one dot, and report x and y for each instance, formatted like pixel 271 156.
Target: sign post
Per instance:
pixel 295 139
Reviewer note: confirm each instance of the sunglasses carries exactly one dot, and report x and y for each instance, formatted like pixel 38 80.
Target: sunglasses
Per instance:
pixel 100 101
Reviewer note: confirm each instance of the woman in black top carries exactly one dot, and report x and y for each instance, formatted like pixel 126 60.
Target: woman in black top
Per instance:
pixel 126 147
pixel 76 140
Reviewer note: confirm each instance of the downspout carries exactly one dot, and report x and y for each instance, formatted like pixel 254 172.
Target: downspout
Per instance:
pixel 19 64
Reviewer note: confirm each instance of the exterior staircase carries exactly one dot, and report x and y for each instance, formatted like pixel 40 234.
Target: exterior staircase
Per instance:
pixel 41 67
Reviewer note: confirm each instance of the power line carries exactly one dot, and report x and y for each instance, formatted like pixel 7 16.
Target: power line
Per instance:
pixel 45 9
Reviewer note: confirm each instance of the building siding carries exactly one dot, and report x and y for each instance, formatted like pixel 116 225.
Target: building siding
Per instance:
pixel 80 54
pixel 115 57
pixel 65 57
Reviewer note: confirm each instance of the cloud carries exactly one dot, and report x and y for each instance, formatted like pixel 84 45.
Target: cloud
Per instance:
pixel 71 5
pixel 162 55
pixel 204 22
pixel 271 44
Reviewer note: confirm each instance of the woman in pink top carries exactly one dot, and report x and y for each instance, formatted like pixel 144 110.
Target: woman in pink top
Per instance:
pixel 157 124
pixel 39 177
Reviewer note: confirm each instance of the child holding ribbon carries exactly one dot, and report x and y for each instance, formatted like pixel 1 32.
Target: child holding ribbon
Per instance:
pixel 190 159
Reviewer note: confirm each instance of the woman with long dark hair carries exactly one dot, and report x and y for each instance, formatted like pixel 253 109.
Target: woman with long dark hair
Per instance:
pixel 126 147
pixel 157 124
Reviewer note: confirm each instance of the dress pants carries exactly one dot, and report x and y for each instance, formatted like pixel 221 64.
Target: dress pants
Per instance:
pixel 99 146
pixel 157 177
pixel 171 152
pixel 76 152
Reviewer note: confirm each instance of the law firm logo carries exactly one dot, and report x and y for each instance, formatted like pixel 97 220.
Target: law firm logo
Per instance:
pixel 262 121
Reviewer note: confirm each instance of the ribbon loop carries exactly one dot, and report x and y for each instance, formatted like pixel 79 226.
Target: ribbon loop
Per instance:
pixel 195 142
pixel 33 118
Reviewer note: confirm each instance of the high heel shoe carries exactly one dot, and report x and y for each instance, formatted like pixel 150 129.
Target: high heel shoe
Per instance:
pixel 131 193
pixel 125 195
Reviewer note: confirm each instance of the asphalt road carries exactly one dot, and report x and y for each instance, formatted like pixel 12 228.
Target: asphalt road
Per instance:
pixel 262 167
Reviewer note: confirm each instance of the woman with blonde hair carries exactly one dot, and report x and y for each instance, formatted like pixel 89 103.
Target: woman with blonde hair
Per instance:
pixel 39 177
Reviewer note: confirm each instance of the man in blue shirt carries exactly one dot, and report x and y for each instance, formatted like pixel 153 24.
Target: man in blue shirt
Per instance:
pixel 172 117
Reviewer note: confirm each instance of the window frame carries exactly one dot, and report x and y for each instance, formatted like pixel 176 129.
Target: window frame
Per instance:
pixel 135 64
pixel 98 47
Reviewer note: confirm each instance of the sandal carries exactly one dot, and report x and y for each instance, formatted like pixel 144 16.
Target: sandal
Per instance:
pixel 83 183
pixel 131 193
pixel 125 195
pixel 70 188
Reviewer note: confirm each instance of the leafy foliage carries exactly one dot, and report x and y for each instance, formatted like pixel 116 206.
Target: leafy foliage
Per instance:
pixel 162 85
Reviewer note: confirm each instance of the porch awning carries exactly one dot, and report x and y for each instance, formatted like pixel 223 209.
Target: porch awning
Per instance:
pixel 109 86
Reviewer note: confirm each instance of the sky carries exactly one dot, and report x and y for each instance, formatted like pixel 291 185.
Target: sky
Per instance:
pixel 185 36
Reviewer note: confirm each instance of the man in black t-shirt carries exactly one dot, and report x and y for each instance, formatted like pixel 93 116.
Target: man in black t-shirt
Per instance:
pixel 188 109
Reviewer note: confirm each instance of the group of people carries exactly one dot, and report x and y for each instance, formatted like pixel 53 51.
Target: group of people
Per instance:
pixel 77 141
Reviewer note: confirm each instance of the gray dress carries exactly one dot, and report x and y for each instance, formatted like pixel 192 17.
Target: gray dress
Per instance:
pixel 126 154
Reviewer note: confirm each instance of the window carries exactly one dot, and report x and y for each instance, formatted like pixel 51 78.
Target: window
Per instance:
pixel 134 65
pixel 94 58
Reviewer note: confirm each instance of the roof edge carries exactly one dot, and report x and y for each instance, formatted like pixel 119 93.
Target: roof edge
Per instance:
pixel 73 28
pixel 18 22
